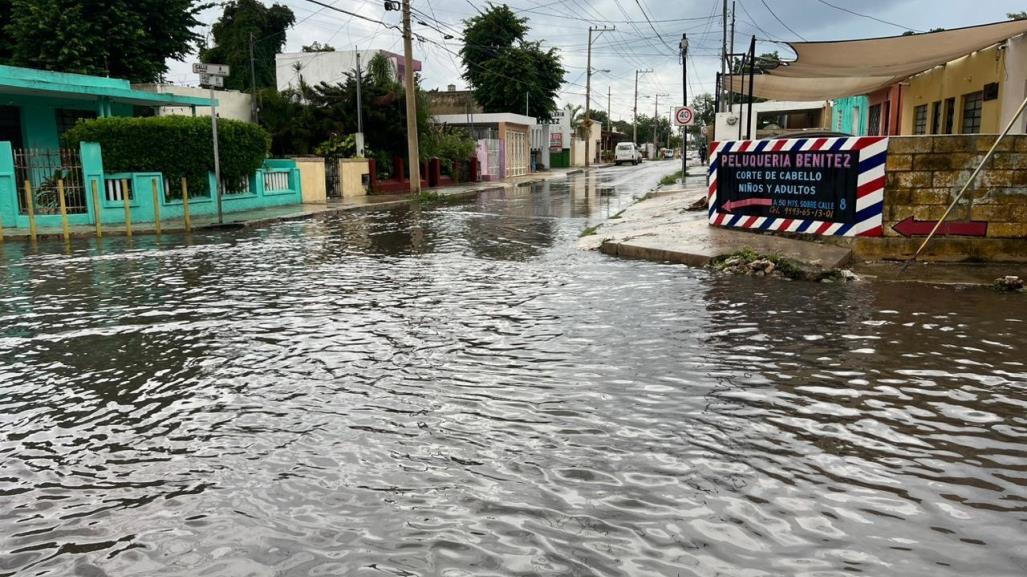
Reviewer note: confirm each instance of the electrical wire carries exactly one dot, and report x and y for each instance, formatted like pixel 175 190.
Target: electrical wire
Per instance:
pixel 787 27
pixel 853 12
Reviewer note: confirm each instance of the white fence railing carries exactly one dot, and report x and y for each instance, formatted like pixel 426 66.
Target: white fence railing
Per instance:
pixel 276 181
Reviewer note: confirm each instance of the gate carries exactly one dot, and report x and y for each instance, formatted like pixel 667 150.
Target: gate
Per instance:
pixel 43 168
pixel 333 180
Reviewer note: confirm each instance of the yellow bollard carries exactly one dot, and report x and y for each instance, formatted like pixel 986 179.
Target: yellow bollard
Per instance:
pixel 128 207
pixel 97 209
pixel 156 208
pixel 31 210
pixel 185 206
pixel 63 204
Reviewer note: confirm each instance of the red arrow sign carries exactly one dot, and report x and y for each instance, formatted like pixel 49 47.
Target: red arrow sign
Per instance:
pixel 731 205
pixel 913 227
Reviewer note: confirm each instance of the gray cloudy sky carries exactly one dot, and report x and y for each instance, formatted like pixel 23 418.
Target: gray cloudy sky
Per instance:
pixel 634 44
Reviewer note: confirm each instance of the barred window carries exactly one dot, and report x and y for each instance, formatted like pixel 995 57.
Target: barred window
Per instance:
pixel 920 119
pixel 874 122
pixel 972 104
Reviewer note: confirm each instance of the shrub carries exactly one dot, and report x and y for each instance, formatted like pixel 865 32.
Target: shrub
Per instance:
pixel 176 146
pixel 448 144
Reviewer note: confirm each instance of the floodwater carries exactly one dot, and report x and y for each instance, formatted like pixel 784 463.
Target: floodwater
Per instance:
pixel 455 390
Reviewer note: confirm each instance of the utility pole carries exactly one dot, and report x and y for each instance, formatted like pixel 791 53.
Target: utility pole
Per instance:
pixel 609 115
pixel 656 123
pixel 683 45
pixel 588 92
pixel 723 47
pixel 253 85
pixel 527 99
pixel 731 56
pixel 360 108
pixel 634 119
pixel 411 95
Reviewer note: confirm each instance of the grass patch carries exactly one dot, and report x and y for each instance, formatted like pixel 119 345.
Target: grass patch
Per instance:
pixel 670 179
pixel 589 231
pixel 618 215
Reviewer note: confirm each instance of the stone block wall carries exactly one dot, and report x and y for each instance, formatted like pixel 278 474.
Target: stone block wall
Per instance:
pixel 924 174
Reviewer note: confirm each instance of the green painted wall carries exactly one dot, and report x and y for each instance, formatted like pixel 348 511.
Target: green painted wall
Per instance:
pixel 851 115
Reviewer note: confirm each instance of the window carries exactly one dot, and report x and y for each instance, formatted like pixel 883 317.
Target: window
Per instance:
pixel 936 117
pixel 875 120
pixel 950 115
pixel 920 119
pixel 972 104
pixel 887 119
pixel 67 118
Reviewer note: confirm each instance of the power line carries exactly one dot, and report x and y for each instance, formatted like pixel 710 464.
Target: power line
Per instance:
pixel 843 9
pixel 787 27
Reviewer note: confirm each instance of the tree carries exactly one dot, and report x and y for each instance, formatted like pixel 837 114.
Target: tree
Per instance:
pixel 129 39
pixel 318 47
pixel 504 69
pixel 241 21
pixel 1017 15
pixel 705 111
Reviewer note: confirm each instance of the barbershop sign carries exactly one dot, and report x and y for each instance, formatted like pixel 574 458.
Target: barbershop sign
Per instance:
pixel 825 186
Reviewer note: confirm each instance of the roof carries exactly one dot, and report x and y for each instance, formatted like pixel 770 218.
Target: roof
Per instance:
pixel 826 70
pixel 30 81
pixel 484 118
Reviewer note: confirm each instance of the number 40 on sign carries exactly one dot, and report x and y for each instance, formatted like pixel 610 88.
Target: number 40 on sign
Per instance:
pixel 684 116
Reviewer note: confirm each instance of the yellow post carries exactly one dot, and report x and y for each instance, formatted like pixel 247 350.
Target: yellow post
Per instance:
pixel 31 210
pixel 128 207
pixel 185 206
pixel 156 208
pixel 96 211
pixel 62 203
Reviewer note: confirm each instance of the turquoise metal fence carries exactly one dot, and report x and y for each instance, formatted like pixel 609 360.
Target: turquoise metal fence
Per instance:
pixel 277 183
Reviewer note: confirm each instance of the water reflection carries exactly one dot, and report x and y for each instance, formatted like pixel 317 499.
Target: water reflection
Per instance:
pixel 454 389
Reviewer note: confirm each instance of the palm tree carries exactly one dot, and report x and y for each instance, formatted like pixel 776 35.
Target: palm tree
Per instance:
pixel 576 117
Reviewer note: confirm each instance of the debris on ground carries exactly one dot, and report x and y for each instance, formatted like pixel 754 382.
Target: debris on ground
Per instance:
pixel 749 263
pixel 700 204
pixel 1009 284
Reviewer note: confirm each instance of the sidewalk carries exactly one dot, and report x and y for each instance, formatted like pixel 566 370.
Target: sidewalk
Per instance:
pixel 662 229
pixel 264 216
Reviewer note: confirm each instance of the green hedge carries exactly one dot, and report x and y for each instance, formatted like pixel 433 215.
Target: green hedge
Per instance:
pixel 176 146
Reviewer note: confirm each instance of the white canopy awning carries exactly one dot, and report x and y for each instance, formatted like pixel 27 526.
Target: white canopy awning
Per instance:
pixel 773 87
pixel 849 67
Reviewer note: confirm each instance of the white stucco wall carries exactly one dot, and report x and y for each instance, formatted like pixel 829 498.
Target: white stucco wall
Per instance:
pixel 232 104
pixel 330 67
pixel 725 131
pixel 1015 85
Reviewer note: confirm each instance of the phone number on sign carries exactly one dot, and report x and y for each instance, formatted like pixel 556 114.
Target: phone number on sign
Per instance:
pixel 791 212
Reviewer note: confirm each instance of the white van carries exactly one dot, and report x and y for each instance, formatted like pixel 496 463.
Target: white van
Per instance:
pixel 627 152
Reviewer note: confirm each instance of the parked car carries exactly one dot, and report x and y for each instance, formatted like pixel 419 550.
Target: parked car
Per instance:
pixel 627 152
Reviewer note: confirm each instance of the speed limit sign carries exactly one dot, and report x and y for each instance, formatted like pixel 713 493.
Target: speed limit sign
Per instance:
pixel 684 116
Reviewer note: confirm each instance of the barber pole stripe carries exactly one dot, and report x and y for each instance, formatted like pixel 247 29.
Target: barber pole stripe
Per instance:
pixel 873 152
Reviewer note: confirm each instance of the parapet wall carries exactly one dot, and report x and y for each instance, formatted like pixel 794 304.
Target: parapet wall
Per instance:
pixel 925 173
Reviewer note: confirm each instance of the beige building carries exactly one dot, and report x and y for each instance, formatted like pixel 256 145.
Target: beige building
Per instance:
pixel 232 104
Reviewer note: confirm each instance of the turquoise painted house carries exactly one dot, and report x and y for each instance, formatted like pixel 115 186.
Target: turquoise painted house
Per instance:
pixel 38 106
pixel 850 115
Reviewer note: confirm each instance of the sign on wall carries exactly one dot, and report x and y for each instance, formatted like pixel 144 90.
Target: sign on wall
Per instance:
pixel 825 186
pixel 555 141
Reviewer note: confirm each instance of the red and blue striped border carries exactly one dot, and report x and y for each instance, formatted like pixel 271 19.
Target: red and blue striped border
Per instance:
pixel 873 150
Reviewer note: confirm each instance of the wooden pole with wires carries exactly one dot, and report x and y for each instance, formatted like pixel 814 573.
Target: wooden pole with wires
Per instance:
pixel 413 153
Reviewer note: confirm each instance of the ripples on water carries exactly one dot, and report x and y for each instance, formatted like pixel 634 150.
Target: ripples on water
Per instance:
pixel 457 391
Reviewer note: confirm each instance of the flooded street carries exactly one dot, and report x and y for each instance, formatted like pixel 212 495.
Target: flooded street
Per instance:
pixel 456 390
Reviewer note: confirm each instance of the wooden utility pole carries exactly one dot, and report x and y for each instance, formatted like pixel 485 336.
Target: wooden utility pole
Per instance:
pixel 634 119
pixel 588 93
pixel 411 95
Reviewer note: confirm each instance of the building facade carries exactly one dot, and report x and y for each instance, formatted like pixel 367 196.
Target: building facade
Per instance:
pixel 849 115
pixel 884 112
pixel 312 68
pixel 975 94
